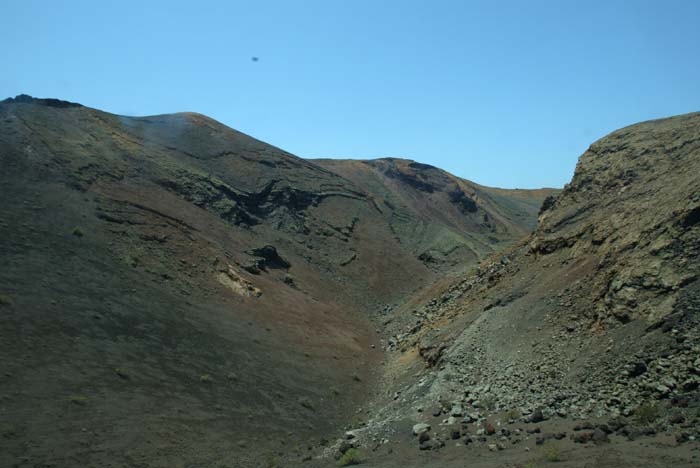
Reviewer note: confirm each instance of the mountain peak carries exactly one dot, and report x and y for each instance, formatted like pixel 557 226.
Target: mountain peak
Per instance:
pixel 51 102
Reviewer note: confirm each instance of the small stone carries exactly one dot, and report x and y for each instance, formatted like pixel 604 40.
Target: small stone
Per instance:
pixel 636 369
pixel 599 436
pixel 420 428
pixel 537 416
pixel 489 427
pixel 615 424
pixel 583 437
pixel 583 426
pixel 631 432
pixel 473 417
pixel 457 411
pixel 605 428
pixel 345 446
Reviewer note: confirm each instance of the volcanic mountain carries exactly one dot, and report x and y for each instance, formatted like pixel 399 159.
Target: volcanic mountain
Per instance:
pixel 177 293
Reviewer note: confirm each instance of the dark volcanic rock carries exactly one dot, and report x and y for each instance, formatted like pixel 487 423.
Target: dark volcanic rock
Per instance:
pixel 26 99
pixel 637 369
pixel 583 437
pixel 547 204
pixel 345 446
pixel 599 436
pixel 464 201
pixel 537 416
pixel 270 258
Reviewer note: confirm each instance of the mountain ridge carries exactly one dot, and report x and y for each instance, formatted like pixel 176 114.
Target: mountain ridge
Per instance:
pixel 196 286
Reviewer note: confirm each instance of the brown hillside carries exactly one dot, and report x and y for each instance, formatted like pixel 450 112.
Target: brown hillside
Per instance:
pixel 176 293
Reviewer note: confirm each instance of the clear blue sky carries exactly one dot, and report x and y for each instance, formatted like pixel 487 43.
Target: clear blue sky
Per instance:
pixel 505 93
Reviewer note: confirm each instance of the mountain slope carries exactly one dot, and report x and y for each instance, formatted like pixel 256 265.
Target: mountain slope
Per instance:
pixel 594 316
pixel 450 221
pixel 175 292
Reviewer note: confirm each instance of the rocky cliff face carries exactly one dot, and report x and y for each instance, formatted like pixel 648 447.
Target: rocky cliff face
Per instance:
pixel 175 292
pixel 633 202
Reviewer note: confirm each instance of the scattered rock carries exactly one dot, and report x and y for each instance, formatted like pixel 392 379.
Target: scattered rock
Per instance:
pixel 270 258
pixel 489 427
pixel 584 426
pixel 583 437
pixel 537 416
pixel 420 428
pixel 599 436
pixel 636 369
pixel 345 446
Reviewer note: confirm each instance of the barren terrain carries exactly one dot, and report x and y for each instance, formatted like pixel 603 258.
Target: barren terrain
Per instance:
pixel 175 293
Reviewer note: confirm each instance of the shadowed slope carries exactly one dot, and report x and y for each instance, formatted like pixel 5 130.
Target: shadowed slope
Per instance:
pixel 450 222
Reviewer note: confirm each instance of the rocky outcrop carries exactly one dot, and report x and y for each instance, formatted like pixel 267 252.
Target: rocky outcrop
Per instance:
pixel 26 99
pixel 632 203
